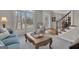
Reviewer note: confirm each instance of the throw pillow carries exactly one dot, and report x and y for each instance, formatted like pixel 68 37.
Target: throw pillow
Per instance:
pixel 4 35
pixel 10 30
pixel 1 30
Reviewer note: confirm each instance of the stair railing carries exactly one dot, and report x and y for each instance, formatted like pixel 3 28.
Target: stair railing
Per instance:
pixel 65 22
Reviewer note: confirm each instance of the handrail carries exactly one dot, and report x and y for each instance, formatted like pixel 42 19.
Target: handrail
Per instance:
pixel 60 20
pixel 65 15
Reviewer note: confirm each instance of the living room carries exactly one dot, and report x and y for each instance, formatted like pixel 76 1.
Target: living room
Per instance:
pixel 23 22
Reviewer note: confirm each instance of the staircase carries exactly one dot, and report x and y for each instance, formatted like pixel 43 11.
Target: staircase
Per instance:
pixel 64 24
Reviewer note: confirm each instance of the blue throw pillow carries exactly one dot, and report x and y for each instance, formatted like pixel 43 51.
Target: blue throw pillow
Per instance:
pixel 10 30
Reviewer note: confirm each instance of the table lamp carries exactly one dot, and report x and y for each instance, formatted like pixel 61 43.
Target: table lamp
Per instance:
pixel 4 21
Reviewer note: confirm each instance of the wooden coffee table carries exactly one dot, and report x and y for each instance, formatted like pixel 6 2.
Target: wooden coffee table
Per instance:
pixel 37 42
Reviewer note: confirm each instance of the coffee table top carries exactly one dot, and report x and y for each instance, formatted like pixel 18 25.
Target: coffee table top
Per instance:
pixel 38 40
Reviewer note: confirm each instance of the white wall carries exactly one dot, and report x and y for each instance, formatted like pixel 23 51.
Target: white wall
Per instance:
pixel 76 17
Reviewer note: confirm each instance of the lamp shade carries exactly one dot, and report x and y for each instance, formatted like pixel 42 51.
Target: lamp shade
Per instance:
pixel 4 20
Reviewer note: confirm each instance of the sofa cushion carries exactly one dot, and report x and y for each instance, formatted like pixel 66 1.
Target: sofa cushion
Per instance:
pixel 4 35
pixel 1 43
pixel 10 40
pixel 1 30
pixel 11 35
pixel 14 46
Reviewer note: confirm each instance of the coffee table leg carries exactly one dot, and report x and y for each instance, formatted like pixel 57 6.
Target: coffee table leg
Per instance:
pixel 36 47
pixel 50 43
pixel 25 37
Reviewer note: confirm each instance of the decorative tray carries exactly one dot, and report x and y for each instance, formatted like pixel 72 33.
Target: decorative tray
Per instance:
pixel 37 35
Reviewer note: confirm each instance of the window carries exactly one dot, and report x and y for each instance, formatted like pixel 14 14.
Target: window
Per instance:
pixel 23 19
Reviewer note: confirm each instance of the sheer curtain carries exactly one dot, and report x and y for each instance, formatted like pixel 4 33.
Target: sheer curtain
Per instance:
pixel 23 20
